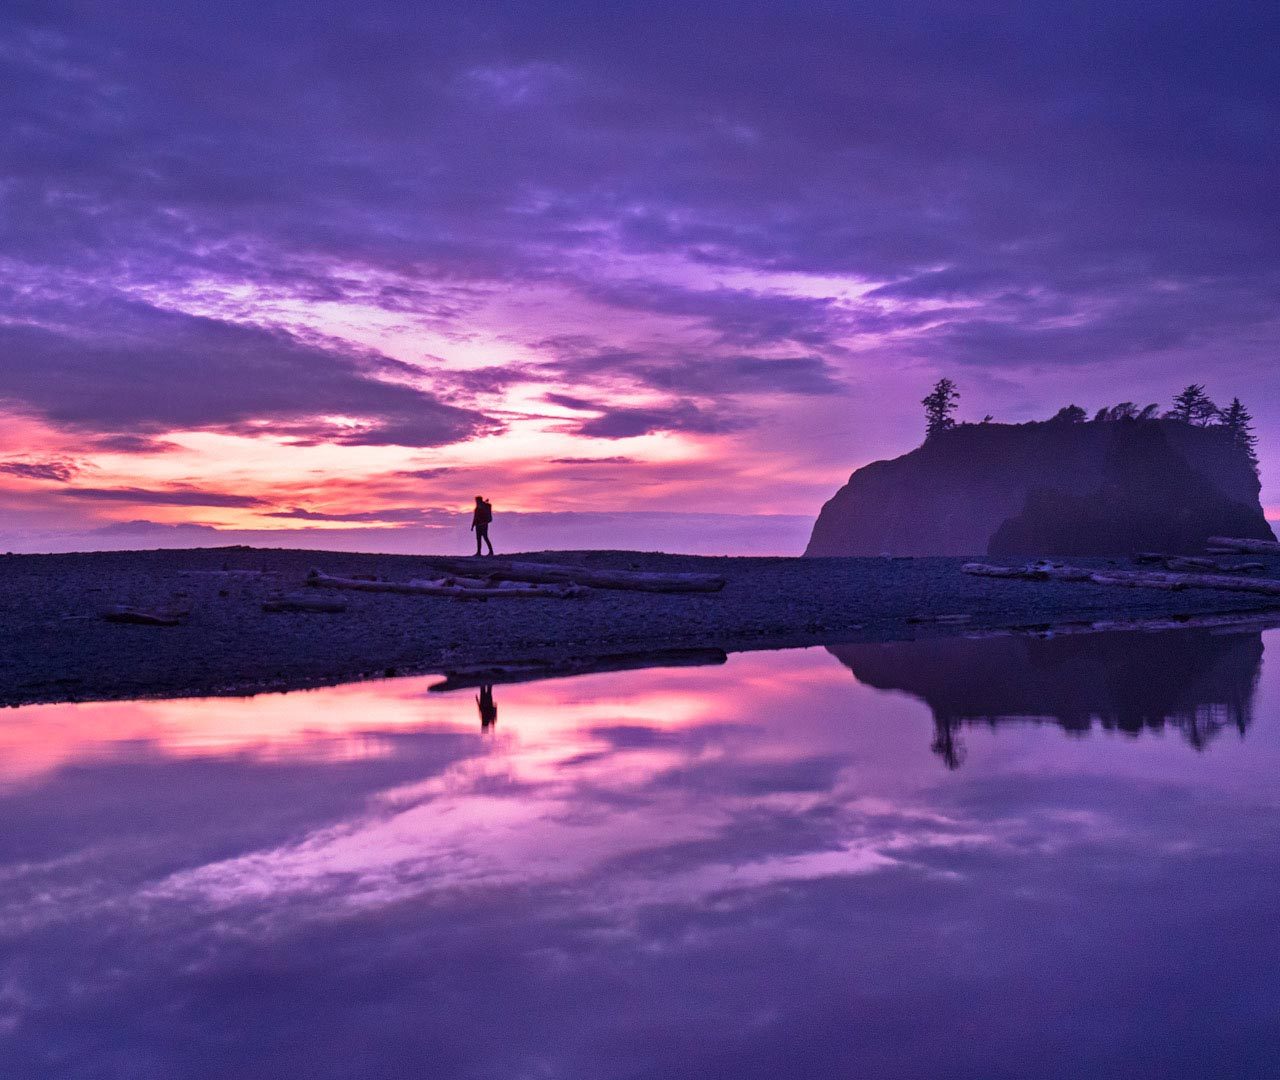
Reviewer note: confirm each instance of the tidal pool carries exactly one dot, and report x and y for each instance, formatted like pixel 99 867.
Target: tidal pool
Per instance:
pixel 953 858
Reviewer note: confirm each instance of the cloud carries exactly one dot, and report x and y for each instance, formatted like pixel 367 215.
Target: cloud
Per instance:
pixel 142 527
pixel 738 316
pixel 998 155
pixel 59 470
pixel 128 370
pixel 592 461
pixel 129 444
pixel 424 474
pixel 801 204
pixel 568 401
pixel 704 394
pixel 408 515
pixel 585 361
pixel 625 423
pixel 174 496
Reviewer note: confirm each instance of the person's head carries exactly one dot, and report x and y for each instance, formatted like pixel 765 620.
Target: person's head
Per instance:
pixel 479 498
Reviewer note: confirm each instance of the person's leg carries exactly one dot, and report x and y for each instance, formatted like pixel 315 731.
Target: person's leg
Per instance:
pixel 479 534
pixel 488 541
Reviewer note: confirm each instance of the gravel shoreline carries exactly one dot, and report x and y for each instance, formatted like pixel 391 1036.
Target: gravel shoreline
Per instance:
pixel 58 648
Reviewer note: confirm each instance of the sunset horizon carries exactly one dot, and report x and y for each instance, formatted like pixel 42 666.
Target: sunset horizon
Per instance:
pixel 269 288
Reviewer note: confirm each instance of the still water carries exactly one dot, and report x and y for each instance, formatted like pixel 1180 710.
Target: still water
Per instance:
pixel 969 858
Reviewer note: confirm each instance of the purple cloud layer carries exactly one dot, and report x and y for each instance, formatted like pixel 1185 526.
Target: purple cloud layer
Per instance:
pixel 127 369
pixel 1022 189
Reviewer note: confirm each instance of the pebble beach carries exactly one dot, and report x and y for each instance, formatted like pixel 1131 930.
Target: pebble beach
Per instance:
pixel 58 646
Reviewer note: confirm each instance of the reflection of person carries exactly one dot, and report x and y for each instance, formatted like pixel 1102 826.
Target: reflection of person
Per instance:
pixel 488 710
pixel 480 522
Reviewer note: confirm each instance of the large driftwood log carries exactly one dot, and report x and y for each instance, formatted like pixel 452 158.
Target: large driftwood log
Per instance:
pixel 120 613
pixel 1217 567
pixel 1186 562
pixel 467 588
pixel 1134 579
pixel 520 671
pixel 551 574
pixel 1252 547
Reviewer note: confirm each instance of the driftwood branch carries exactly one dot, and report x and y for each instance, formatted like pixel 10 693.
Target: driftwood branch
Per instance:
pixel 1134 579
pixel 519 671
pixel 1230 623
pixel 467 588
pixel 551 574
pixel 1251 547
pixel 1189 562
pixel 138 617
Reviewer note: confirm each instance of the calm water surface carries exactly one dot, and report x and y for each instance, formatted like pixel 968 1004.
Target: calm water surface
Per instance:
pixel 979 859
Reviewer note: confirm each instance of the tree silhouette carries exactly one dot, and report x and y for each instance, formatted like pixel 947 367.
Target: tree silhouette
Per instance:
pixel 1149 413
pixel 1069 414
pixel 939 406
pixel 1238 423
pixel 1126 410
pixel 1193 406
pixel 945 744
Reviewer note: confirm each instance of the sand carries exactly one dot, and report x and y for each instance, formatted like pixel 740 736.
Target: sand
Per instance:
pixel 58 648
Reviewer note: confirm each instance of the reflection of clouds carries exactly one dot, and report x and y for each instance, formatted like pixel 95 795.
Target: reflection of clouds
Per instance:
pixel 337 723
pixel 748 872
pixel 692 786
pixel 488 823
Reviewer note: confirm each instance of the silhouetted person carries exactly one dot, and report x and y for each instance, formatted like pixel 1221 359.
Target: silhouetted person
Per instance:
pixel 488 710
pixel 480 522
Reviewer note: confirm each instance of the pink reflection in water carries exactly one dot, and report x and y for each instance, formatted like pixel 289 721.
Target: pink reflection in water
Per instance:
pixel 765 858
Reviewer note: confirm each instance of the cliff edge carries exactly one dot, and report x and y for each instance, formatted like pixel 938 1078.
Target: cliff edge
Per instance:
pixel 1048 488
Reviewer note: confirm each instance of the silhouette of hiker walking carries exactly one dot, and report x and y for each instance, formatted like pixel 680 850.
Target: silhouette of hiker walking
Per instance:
pixel 480 522
pixel 488 710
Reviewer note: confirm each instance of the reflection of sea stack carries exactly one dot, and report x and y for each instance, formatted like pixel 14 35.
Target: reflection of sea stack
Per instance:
pixel 1194 680
pixel 1049 488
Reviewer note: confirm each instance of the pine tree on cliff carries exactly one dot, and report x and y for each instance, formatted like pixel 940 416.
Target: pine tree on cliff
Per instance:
pixel 1238 423
pixel 1193 406
pixel 939 406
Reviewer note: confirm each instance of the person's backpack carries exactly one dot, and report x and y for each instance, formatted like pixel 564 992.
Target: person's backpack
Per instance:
pixel 486 512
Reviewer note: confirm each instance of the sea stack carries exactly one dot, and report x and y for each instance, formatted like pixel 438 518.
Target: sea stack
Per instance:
pixel 1048 488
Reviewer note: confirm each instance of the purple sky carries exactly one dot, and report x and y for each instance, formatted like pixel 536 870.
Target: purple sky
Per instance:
pixel 273 266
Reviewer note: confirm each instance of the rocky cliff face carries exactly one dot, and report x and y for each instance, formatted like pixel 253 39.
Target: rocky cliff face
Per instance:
pixel 1047 488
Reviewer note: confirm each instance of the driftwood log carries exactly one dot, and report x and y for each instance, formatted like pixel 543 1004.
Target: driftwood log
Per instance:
pixel 553 574
pixel 467 588
pixel 520 671
pixel 1251 547
pixel 138 617
pixel 1134 579
pixel 1191 562
pixel 1231 623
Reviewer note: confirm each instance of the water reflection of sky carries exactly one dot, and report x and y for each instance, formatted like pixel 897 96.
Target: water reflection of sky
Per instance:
pixel 760 869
